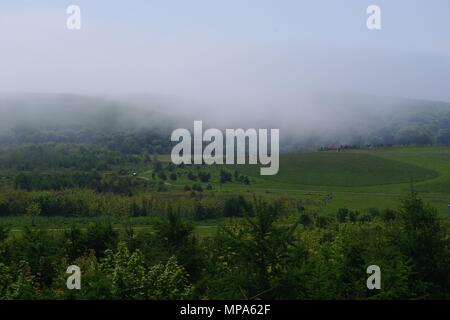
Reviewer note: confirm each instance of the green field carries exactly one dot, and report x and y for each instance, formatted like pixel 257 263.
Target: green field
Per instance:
pixel 357 179
pixel 345 169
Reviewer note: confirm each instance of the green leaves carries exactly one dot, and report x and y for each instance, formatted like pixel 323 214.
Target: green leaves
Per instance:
pixel 130 279
pixel 16 284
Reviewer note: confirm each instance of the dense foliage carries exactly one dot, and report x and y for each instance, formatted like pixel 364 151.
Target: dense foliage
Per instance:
pixel 269 253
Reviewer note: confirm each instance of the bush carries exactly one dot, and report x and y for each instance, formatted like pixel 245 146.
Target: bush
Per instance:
pixel 236 207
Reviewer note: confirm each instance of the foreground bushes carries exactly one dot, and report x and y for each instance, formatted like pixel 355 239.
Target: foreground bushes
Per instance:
pixel 265 255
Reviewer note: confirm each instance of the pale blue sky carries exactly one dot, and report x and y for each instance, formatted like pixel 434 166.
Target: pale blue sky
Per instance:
pixel 244 47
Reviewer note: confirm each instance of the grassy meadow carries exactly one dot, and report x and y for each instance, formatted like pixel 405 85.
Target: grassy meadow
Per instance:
pixel 357 179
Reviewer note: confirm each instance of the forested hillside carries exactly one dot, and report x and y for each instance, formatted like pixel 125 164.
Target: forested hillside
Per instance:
pixel 352 120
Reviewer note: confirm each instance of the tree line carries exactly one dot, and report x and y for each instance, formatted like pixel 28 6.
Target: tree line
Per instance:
pixel 261 256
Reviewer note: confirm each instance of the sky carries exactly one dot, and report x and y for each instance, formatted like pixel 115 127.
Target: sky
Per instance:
pixel 253 52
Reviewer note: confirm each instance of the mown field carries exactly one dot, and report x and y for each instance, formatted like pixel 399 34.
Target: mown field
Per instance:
pixel 356 179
